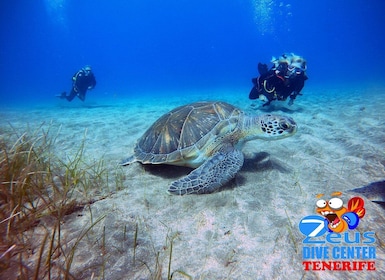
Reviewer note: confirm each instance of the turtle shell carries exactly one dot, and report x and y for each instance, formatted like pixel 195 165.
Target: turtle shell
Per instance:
pixel 188 133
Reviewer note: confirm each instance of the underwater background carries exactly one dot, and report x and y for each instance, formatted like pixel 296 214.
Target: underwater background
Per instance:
pixel 148 47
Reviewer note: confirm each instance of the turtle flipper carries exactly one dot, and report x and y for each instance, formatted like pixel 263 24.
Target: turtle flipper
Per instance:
pixel 128 161
pixel 210 176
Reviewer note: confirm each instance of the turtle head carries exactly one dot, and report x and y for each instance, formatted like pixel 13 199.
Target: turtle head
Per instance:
pixel 271 127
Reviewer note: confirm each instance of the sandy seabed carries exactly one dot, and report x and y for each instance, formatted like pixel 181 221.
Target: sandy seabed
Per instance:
pixel 247 230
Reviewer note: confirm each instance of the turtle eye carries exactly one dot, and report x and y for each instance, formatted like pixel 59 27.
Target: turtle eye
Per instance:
pixel 284 125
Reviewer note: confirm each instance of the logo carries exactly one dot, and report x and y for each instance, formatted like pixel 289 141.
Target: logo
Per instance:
pixel 336 216
pixel 331 242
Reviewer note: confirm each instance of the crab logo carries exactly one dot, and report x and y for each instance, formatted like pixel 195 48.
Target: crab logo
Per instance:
pixel 337 217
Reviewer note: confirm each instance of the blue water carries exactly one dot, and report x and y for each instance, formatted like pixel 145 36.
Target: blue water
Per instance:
pixel 156 46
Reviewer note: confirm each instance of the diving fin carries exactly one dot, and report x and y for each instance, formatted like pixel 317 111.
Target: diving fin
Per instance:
pixel 63 95
pixel 262 68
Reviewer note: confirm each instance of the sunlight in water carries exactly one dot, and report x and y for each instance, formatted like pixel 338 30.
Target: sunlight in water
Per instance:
pixel 56 11
pixel 268 12
pixel 263 11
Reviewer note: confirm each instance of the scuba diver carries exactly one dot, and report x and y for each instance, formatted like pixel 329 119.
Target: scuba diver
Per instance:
pixel 82 81
pixel 285 79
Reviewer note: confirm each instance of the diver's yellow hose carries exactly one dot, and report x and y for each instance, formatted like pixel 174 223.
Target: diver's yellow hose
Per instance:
pixel 268 91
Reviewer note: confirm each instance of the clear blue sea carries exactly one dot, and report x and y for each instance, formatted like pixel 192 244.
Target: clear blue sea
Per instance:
pixel 148 47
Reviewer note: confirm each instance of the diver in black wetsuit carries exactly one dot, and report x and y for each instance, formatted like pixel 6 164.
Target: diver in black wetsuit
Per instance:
pixel 82 81
pixel 285 79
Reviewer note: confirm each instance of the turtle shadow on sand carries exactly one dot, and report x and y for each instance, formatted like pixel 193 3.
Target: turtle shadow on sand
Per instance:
pixel 167 171
pixel 84 106
pixel 96 106
pixel 259 162
pixel 174 172
pixel 263 161
pixel 274 108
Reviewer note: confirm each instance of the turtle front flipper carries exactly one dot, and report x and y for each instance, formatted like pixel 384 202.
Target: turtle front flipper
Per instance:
pixel 211 175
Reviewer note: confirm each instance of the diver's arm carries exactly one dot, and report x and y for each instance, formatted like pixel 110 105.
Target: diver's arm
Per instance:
pixel 300 83
pixel 92 82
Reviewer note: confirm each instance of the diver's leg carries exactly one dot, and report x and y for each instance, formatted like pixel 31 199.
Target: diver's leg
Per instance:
pixel 63 95
pixel 72 95
pixel 262 68
pixel 256 90
pixel 254 93
pixel 82 95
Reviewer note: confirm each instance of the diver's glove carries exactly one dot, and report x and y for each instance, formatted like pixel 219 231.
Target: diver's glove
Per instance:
pixel 292 97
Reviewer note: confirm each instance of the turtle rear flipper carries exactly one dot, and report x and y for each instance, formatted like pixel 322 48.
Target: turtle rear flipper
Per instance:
pixel 128 161
pixel 211 175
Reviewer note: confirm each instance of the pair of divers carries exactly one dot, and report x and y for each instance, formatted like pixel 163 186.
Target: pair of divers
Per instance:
pixel 285 79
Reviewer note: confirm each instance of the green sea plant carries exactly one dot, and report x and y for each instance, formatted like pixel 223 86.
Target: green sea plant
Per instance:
pixel 169 245
pixel 289 228
pixel 170 274
pixel 135 242
pixel 165 255
pixel 38 190
pixel 119 178
pixel 297 182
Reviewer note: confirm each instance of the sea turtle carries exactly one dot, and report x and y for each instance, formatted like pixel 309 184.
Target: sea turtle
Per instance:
pixel 207 136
